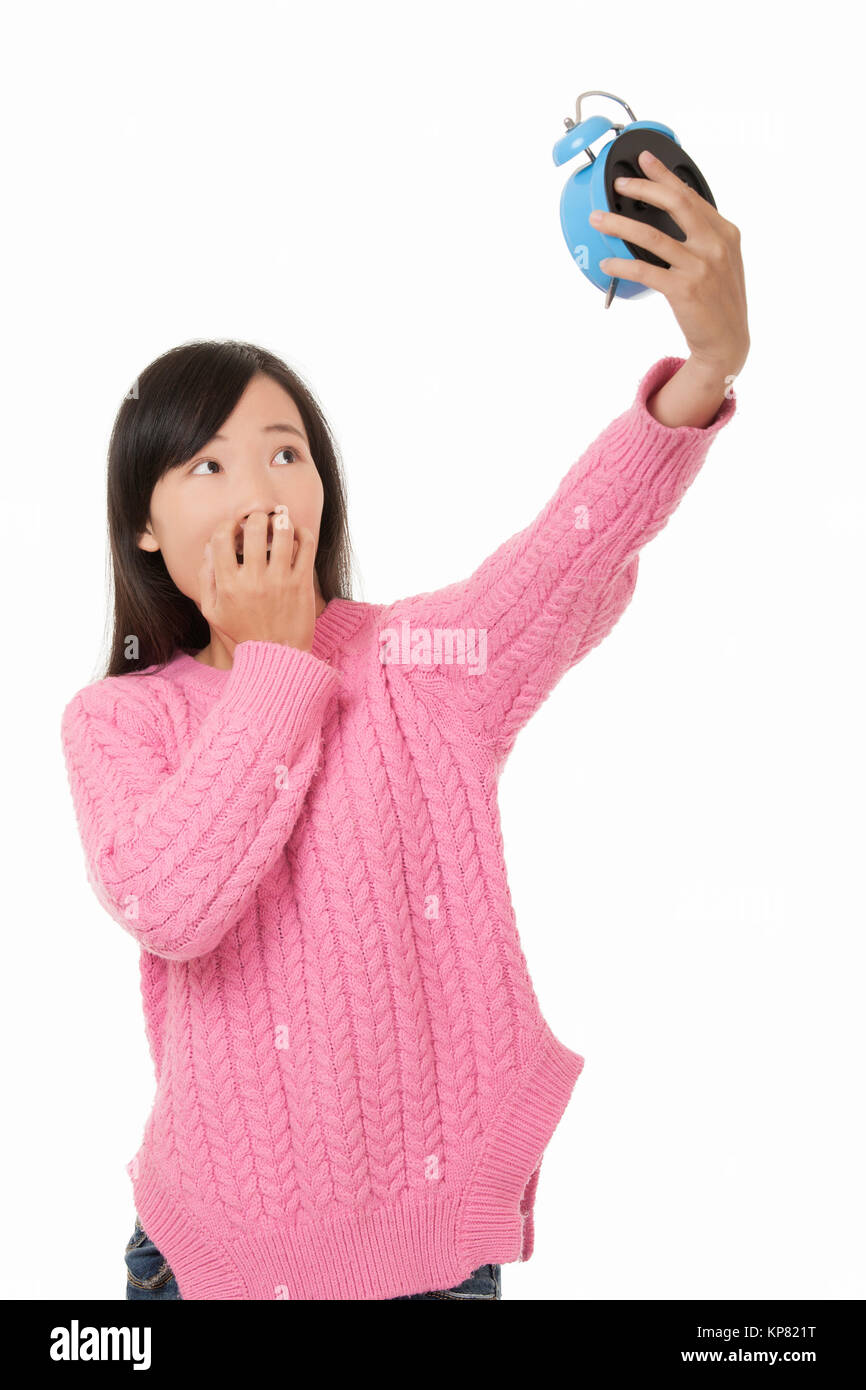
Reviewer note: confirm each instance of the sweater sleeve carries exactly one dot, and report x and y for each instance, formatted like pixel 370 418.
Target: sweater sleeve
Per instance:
pixel 175 856
pixel 550 594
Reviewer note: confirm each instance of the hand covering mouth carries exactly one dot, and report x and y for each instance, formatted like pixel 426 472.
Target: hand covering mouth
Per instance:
pixel 239 543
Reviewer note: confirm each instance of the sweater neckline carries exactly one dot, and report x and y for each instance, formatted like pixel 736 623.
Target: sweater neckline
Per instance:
pixel 338 620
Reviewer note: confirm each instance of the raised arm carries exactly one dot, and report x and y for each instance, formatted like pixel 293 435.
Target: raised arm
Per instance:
pixel 553 591
pixel 176 856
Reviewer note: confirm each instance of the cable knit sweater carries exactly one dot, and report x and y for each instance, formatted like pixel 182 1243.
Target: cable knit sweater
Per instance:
pixel 355 1083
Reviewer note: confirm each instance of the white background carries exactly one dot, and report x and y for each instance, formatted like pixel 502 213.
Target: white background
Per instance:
pixel 369 191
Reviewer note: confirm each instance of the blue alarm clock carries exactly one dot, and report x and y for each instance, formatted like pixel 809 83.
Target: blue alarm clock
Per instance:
pixel 592 186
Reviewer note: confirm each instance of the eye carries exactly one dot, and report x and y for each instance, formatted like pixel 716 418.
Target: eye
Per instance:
pixel 206 463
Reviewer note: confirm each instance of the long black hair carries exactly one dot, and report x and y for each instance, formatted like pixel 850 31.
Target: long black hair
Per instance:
pixel 173 408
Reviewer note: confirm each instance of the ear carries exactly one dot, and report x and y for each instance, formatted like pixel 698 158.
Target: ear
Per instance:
pixel 147 541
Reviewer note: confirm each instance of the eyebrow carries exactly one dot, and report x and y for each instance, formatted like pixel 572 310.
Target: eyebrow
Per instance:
pixel 283 429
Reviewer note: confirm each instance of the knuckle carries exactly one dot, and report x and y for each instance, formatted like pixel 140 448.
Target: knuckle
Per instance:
pixel 692 285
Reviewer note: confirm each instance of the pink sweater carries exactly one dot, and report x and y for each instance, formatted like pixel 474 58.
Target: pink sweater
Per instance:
pixel 355 1083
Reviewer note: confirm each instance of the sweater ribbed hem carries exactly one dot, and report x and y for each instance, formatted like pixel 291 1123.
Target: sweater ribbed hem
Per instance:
pixel 418 1243
pixel 646 449
pixel 506 1173
pixel 278 688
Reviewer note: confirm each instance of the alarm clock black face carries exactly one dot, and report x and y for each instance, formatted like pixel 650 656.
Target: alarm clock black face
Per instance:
pixel 622 162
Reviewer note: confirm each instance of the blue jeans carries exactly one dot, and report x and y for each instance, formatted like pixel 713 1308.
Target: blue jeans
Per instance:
pixel 148 1275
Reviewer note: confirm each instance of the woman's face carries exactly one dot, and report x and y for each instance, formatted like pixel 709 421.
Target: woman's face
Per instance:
pixel 260 460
